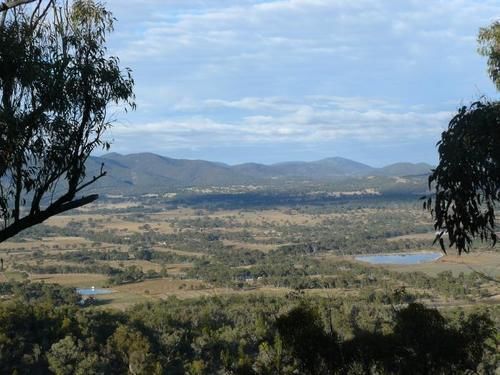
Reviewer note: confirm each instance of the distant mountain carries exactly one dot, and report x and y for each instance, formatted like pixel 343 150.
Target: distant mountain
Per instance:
pixel 321 169
pixel 405 169
pixel 147 172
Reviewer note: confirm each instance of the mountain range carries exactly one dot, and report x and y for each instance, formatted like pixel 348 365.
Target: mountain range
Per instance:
pixel 147 172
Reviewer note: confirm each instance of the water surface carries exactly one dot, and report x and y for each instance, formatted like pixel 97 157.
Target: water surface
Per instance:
pixel 409 258
pixel 92 291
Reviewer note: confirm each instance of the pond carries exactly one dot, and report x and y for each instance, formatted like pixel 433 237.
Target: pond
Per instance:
pixel 92 291
pixel 409 258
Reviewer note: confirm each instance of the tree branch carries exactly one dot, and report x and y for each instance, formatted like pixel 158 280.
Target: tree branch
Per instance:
pixel 41 16
pixel 94 179
pixel 6 5
pixel 71 193
pixel 41 216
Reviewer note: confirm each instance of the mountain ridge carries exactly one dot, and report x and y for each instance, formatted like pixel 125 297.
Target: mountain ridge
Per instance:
pixel 143 171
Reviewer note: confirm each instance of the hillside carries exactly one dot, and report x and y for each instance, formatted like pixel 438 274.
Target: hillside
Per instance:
pixel 404 169
pixel 321 169
pixel 147 172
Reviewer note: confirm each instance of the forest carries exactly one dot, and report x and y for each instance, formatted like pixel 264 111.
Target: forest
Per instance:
pixel 42 329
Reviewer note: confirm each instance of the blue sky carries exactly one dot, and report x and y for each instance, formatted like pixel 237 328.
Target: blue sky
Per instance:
pixel 268 81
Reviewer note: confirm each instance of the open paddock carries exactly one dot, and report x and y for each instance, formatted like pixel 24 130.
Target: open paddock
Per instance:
pixel 63 220
pixel 179 252
pixel 45 243
pixel 415 236
pixel 485 262
pixel 250 246
pixel 178 269
pixel 144 265
pixel 76 280
pixel 125 227
pixel 125 296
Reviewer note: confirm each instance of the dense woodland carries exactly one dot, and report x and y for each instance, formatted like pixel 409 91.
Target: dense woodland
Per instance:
pixel 41 330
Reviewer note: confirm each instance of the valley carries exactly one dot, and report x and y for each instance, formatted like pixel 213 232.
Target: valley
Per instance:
pixel 207 279
pixel 274 242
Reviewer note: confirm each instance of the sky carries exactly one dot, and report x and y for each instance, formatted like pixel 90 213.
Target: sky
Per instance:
pixel 267 81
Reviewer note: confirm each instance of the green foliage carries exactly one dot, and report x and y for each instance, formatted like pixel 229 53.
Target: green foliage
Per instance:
pixel 422 342
pixel 467 179
pixel 66 355
pixel 56 83
pixel 489 46
pixel 39 293
pixel 134 348
pixel 244 335
pixel 128 275
pixel 302 331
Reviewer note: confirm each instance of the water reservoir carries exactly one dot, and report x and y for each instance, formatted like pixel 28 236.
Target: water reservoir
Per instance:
pixel 409 258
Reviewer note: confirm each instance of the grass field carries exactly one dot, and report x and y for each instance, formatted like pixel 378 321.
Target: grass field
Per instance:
pixel 77 280
pixel 484 262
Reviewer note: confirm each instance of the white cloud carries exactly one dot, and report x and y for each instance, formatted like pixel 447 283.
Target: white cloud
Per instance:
pixel 285 121
pixel 306 71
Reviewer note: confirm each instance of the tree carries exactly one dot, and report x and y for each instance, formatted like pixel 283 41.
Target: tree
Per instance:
pixel 467 180
pixel 302 332
pixel 56 85
pixel 489 46
pixel 65 355
pixel 6 5
pixel 135 350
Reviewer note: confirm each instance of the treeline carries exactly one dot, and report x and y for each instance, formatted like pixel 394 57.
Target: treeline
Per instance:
pixel 290 195
pixel 316 273
pixel 130 274
pixel 134 253
pixel 28 293
pixel 243 335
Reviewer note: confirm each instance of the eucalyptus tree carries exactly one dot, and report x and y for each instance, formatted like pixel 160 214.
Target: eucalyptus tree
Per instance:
pixel 57 84
pixel 467 180
pixel 489 46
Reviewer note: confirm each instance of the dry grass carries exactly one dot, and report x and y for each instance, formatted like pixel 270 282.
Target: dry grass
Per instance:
pixel 81 280
pixel 125 296
pixel 136 227
pixel 120 301
pixel 45 242
pixel 486 262
pixel 162 287
pixel 63 220
pixel 178 269
pixel 279 217
pixel 179 252
pixel 142 264
pixel 415 236
pixel 250 246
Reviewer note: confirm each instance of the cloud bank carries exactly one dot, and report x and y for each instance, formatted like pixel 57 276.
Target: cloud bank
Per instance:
pixel 297 73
